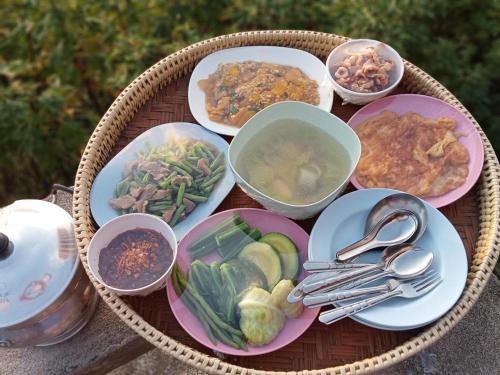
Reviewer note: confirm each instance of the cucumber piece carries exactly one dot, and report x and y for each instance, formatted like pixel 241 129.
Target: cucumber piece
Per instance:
pixel 263 256
pixel 287 251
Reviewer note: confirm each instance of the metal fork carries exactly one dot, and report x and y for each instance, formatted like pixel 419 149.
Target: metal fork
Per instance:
pixel 412 289
pixel 323 299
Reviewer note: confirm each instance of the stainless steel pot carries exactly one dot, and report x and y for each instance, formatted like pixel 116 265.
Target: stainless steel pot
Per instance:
pixel 45 295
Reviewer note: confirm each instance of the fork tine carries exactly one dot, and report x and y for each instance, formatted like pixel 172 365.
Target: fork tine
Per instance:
pixel 427 281
pixel 423 278
pixel 423 289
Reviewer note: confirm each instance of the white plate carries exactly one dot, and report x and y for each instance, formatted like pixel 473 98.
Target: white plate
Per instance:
pixel 105 182
pixel 342 223
pixel 309 64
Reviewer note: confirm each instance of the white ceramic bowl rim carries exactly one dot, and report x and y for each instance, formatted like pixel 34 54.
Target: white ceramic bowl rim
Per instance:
pixel 351 170
pixel 145 287
pixel 399 61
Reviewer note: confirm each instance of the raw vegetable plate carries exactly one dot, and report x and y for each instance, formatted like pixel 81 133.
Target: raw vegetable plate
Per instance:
pixel 430 107
pixel 308 63
pixel 266 224
pixel 105 184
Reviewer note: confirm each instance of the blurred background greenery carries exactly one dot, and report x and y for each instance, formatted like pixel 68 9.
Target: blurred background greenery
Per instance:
pixel 63 62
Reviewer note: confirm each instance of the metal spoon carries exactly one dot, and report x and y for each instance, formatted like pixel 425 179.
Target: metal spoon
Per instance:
pixel 408 263
pixel 395 228
pixel 297 293
pixel 396 202
pixel 316 266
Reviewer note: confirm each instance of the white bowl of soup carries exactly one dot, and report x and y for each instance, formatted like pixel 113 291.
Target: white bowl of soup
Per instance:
pixel 294 158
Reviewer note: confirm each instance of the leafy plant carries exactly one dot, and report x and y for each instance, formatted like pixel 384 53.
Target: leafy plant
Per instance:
pixel 62 63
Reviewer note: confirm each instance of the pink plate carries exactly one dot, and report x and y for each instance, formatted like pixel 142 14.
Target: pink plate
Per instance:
pixel 430 107
pixel 265 221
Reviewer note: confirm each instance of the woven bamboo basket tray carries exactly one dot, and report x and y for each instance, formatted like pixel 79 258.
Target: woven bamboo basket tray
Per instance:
pixel 159 95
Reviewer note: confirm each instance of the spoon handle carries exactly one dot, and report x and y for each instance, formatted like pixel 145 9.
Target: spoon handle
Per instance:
pixel 331 316
pixel 297 293
pixel 337 279
pixel 319 300
pixel 365 280
pixel 319 266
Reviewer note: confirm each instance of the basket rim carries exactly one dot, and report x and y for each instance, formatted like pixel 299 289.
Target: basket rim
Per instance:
pixel 179 64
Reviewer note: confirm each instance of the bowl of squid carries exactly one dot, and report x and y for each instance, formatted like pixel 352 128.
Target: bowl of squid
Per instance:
pixel 294 158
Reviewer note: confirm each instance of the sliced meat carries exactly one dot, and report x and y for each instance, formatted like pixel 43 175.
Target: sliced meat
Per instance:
pixel 189 205
pixel 123 202
pixel 149 191
pixel 129 167
pixel 135 189
pixel 140 206
pixel 154 168
pixel 161 194
pixel 203 166
pixel 167 214
pixel 177 180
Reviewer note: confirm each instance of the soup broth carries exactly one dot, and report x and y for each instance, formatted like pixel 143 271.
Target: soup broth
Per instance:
pixel 292 162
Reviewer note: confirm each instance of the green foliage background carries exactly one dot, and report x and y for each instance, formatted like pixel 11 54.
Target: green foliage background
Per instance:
pixel 63 62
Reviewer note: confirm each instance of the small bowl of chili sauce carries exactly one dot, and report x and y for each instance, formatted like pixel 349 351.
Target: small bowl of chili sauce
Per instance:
pixel 133 254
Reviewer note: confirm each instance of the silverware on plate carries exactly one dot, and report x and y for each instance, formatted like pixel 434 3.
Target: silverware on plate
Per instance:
pixel 324 299
pixel 407 264
pixel 410 289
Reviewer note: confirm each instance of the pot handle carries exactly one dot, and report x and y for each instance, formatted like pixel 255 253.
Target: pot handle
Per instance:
pixel 5 248
pixel 5 343
pixel 58 187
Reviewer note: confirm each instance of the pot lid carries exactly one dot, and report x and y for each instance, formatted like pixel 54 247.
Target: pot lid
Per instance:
pixel 38 258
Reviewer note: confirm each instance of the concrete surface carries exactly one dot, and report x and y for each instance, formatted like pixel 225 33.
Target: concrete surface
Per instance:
pixel 469 349
pixel 98 348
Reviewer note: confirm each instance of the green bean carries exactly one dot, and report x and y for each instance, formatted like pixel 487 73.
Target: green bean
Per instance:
pixel 193 308
pixel 193 167
pixel 199 299
pixel 122 187
pixel 166 181
pixel 209 153
pixel 214 178
pixel 195 198
pixel 145 179
pixel 180 194
pixel 219 169
pixel 181 171
pixel 217 161
pixel 202 318
pixel 178 164
pixel 177 215
pixel 207 190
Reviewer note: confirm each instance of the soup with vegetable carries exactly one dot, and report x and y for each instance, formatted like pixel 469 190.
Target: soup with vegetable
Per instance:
pixel 293 162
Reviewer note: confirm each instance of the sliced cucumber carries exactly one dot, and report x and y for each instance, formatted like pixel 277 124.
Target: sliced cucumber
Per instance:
pixel 263 256
pixel 287 252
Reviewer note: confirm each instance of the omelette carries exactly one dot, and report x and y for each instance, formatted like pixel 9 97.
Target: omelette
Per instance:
pixel 411 153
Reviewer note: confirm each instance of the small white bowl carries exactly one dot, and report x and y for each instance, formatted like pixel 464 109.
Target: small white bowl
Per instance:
pixel 387 52
pixel 314 116
pixel 122 224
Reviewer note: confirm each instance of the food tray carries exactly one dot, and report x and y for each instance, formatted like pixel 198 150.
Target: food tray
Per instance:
pixel 158 96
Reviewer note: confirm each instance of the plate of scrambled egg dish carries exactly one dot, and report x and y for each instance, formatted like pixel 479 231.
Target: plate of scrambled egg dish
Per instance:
pixel 228 87
pixel 417 144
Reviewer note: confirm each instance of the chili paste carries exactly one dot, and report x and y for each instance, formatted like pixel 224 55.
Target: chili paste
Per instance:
pixel 134 259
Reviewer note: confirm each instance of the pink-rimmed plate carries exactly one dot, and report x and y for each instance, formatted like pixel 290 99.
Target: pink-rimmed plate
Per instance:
pixel 430 107
pixel 266 222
